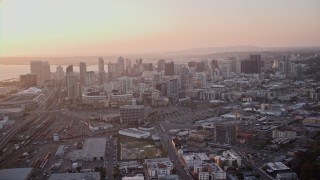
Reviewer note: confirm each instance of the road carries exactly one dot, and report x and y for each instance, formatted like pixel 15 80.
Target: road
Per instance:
pixel 257 170
pixel 111 156
pixel 167 145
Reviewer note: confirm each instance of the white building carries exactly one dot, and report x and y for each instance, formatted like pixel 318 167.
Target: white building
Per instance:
pixel 159 167
pixel 208 171
pixel 136 177
pixel 194 159
pixel 228 157
pixel 136 133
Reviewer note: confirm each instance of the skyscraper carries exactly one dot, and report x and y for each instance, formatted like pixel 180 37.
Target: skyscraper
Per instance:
pixel 172 88
pixel 169 69
pixel 41 69
pixel 214 64
pixel 161 65
pixel 252 65
pixel 200 67
pixel 83 70
pixel 225 69
pixel 59 73
pixel 28 80
pixel 73 87
pixel 147 67
pixel 102 73
pixel 225 132
pixel 89 78
pixel 114 71
pixel 184 77
pixel 69 69
pixel 121 64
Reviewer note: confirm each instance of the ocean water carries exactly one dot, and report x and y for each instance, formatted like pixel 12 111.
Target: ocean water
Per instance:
pixel 14 71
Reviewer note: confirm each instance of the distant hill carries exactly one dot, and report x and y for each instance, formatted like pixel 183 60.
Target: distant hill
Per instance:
pixel 240 48
pixel 212 50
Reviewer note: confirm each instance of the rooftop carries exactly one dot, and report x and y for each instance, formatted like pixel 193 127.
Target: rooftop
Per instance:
pixel 71 176
pixel 94 147
pixel 15 173
pixel 132 106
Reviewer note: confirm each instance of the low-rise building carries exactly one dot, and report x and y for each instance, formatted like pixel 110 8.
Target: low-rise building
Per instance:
pixel 159 167
pixel 136 177
pixel 60 152
pixel 136 133
pixel 229 158
pixel 312 121
pixel 12 113
pixel 208 171
pixel 193 159
pixel 16 173
pixel 283 133
pixel 89 175
pixel 95 126
pixel 93 149
pixel 276 167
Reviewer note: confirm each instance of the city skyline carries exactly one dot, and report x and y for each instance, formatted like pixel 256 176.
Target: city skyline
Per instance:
pixel 78 28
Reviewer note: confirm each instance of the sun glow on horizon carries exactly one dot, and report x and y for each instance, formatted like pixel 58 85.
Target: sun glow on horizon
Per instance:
pixel 77 27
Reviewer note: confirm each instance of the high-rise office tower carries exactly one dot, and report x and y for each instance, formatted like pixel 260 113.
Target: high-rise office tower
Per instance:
pixel 114 71
pixel 128 63
pixel 69 69
pixel 83 70
pixel 73 87
pixel 59 73
pixel 225 132
pixel 161 65
pixel 172 88
pixel 200 66
pixel 286 65
pixel 102 73
pixel 184 77
pixel 169 69
pixel 89 78
pixel 233 64
pixel 192 64
pixel 252 65
pixel 121 64
pixel 41 69
pixel 225 69
pixel 147 67
pixel 214 64
pixel 202 78
pixel 28 80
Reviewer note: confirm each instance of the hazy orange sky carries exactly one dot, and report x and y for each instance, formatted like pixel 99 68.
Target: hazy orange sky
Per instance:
pixel 119 27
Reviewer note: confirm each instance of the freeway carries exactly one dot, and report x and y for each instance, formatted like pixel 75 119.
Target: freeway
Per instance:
pixel 165 140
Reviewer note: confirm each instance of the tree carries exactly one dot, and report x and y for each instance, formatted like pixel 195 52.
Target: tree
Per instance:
pixel 78 168
pixel 240 176
pixel 235 164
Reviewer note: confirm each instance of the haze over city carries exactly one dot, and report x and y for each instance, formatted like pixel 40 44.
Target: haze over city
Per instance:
pixel 83 28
